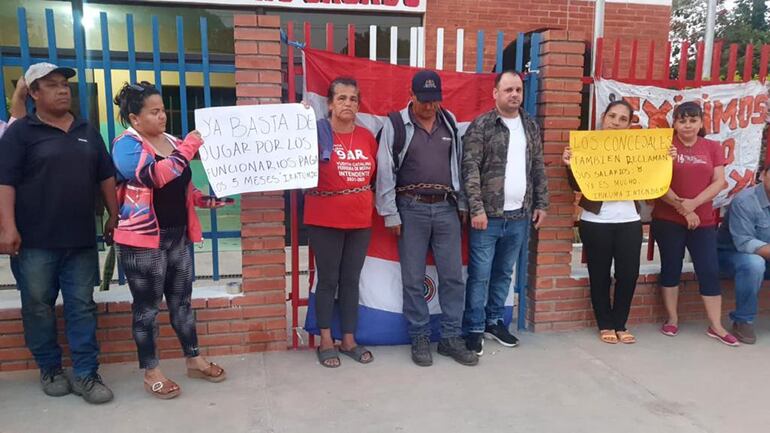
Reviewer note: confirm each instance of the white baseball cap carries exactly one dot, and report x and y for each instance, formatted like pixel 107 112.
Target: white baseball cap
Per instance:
pixel 40 70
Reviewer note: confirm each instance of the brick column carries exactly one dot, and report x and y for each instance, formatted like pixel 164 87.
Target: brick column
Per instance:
pixel 258 81
pixel 555 300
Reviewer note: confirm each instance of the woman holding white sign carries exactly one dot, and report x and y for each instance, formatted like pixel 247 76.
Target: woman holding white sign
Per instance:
pixel 610 231
pixel 684 217
pixel 338 214
pixel 157 225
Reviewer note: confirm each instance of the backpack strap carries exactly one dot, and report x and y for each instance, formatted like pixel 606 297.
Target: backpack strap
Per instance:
pixel 399 135
pixel 450 120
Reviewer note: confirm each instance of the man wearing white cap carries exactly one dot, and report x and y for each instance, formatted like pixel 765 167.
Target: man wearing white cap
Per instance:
pixel 52 166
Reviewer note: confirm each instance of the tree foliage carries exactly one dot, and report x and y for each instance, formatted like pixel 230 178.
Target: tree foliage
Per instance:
pixel 747 22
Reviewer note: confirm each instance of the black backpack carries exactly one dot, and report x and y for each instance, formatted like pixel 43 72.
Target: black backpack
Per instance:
pixel 399 133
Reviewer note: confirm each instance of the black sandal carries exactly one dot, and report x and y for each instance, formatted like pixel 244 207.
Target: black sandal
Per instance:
pixel 358 353
pixel 328 355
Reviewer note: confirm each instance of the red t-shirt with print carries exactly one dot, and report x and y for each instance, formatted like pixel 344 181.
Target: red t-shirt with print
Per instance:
pixel 693 171
pixel 352 165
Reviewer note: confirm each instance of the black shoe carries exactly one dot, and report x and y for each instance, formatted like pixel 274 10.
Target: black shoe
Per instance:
pixel 421 351
pixel 455 348
pixel 744 332
pixel 500 333
pixel 92 389
pixel 474 341
pixel 55 383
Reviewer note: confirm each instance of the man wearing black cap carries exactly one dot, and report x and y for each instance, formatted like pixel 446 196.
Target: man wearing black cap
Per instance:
pixel 420 196
pixel 52 166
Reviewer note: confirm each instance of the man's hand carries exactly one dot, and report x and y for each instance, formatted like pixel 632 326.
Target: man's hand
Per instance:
pixel 10 241
pixel 18 99
pixel 538 216
pixel 479 222
pixel 763 251
pixel 692 220
pixel 395 230
pixel 566 156
pixel 109 229
pixel 463 216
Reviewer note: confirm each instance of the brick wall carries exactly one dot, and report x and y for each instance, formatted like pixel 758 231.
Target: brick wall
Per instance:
pixel 258 81
pixel 552 304
pixel 255 321
pixel 622 20
pixel 226 326
pixel 556 300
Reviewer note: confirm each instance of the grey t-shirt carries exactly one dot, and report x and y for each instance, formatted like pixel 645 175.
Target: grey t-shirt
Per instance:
pixel 428 157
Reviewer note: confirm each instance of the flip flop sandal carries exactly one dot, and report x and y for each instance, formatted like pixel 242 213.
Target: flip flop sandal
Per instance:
pixel 358 353
pixel 163 389
pixel 608 336
pixel 328 355
pixel 212 373
pixel 626 337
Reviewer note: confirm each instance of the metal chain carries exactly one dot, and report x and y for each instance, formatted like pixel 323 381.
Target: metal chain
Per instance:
pixel 414 186
pixel 342 192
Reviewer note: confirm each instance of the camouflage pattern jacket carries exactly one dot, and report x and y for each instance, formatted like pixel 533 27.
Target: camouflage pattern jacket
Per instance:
pixel 485 151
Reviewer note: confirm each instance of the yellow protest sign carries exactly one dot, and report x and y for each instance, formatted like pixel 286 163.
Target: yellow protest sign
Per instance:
pixel 626 164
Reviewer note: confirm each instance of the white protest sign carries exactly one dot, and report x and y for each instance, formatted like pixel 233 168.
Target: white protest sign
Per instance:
pixel 252 148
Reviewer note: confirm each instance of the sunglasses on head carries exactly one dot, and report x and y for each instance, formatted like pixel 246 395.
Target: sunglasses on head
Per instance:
pixel 137 87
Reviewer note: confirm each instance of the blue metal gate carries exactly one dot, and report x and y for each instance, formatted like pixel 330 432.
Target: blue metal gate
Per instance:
pixel 109 61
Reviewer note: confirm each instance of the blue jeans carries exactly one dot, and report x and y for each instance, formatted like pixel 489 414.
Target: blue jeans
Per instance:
pixel 437 226
pixel 492 255
pixel 748 270
pixel 40 273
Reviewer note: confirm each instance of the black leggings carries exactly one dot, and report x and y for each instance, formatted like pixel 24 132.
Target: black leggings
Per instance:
pixel 603 243
pixel 152 273
pixel 339 256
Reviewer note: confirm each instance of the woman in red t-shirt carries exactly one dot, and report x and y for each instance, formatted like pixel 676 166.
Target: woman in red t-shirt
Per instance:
pixel 338 214
pixel 684 217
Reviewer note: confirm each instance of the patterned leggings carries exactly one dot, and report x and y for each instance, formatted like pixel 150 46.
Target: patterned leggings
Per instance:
pixel 152 273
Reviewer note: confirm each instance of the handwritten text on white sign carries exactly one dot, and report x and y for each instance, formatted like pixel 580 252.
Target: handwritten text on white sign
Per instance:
pixel 251 148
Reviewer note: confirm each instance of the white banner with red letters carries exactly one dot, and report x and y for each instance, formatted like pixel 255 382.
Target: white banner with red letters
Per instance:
pixel 734 115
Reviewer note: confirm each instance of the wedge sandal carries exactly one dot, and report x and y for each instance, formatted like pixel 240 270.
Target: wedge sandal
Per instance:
pixel 163 389
pixel 212 373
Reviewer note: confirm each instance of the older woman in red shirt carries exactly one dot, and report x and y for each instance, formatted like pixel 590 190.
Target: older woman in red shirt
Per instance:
pixel 338 214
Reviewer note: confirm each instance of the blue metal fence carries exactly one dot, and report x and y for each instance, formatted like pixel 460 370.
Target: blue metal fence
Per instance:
pixel 83 60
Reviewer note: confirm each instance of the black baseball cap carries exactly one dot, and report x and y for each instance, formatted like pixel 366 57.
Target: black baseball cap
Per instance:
pixel 426 86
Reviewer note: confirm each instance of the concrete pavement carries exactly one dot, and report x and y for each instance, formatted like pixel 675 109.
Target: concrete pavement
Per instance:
pixel 567 382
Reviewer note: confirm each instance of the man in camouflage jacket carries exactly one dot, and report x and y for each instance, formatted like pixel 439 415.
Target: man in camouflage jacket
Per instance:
pixel 505 184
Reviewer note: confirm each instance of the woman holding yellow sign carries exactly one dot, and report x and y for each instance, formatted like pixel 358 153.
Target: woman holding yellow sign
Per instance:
pixel 684 217
pixel 611 231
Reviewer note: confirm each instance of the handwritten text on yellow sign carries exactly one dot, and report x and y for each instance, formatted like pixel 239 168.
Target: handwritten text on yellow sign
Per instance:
pixel 628 164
